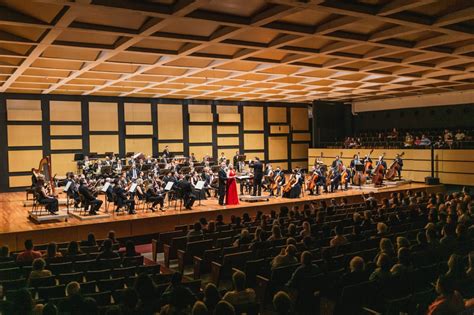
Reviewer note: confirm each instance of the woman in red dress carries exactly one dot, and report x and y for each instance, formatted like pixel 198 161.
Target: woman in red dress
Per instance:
pixel 231 196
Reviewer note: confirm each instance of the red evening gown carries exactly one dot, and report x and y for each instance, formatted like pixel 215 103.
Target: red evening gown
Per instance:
pixel 231 196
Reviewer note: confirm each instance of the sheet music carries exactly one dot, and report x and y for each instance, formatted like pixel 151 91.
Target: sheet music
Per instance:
pixel 243 177
pixel 133 187
pixel 68 185
pixel 200 185
pixel 168 186
pixel 105 187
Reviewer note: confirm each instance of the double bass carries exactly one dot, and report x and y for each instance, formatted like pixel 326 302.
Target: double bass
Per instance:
pixel 393 169
pixel 360 178
pixel 377 178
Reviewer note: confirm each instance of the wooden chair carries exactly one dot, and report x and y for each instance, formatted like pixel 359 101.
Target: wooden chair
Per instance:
pixel 192 249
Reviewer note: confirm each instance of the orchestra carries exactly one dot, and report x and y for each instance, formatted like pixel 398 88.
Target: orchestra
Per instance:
pixel 140 179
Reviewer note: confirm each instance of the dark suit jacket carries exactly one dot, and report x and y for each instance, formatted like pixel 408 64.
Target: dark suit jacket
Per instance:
pixel 83 190
pixel 222 180
pixel 257 170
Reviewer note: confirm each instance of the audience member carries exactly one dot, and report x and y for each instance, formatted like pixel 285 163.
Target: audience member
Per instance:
pixel 28 255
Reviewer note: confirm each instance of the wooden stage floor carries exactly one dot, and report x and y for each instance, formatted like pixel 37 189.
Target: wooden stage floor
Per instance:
pixel 15 226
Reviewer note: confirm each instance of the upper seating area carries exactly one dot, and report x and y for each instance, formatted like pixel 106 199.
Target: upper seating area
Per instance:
pixel 457 138
pixel 375 256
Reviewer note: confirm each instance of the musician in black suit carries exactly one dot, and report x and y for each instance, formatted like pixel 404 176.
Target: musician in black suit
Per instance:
pixel 133 173
pixel 187 191
pixel 122 198
pixel 257 176
pixel 399 160
pixel 166 153
pixel 222 183
pixel 90 201
pixel 235 161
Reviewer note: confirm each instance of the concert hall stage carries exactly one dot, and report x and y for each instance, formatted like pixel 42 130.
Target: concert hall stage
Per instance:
pixel 15 226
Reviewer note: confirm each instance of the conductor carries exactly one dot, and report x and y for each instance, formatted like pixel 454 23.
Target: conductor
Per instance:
pixel 257 176
pixel 222 183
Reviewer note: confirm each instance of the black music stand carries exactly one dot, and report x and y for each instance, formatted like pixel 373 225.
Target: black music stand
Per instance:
pixel 360 168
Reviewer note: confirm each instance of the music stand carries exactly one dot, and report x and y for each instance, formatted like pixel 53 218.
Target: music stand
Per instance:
pixel 168 187
pixel 199 186
pixel 66 189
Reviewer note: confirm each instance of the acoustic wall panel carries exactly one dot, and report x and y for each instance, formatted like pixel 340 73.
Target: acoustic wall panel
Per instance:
pixel 254 141
pixel 227 109
pixel 253 118
pixel 281 165
pixel 200 134
pixel 200 151
pixel 61 163
pixel 103 117
pixel 299 118
pixel 302 137
pixel 139 130
pixel 278 148
pixel 230 130
pixel 19 181
pixel 199 109
pixel 65 111
pixel 24 160
pixel 299 150
pixel 137 112
pixel 229 118
pixel 228 153
pixel 22 136
pixel 104 143
pixel 280 129
pixel 201 117
pixel 170 122
pixel 65 130
pixel 144 146
pixel 227 141
pixel 277 114
pixel 27 110
pixel 251 155
pixel 66 144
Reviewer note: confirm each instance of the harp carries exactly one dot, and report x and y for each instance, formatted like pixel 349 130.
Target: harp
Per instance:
pixel 44 168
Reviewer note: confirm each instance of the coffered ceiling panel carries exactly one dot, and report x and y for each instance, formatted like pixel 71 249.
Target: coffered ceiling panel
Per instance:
pixel 259 50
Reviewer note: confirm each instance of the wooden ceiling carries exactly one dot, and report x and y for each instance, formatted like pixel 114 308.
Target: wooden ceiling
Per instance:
pixel 253 50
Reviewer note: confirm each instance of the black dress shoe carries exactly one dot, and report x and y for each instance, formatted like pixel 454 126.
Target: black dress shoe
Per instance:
pixel 132 212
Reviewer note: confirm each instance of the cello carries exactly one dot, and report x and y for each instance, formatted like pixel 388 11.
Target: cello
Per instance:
pixel 360 178
pixel 393 169
pixel 378 174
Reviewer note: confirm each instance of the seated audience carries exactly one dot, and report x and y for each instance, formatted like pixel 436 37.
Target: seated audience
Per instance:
pixel 305 271
pixel 38 270
pixel 282 303
pixel 28 255
pixel 240 295
pixel 285 258
pixel 196 231
pixel 107 251
pixel 356 274
pixel 339 239
pixel 449 301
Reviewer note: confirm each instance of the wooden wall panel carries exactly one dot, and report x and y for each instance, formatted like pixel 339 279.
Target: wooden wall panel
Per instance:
pixel 65 111
pixel 66 144
pixel 299 118
pixel 200 151
pixel 229 118
pixel 253 118
pixel 170 122
pixel 65 130
pixel 29 110
pixel 138 112
pixel 299 150
pixel 173 147
pixel 227 109
pixel 276 114
pixel 251 155
pixel 278 148
pixel 139 130
pixel 302 137
pixel 24 160
pixel 199 109
pixel 280 129
pixel 103 117
pixel 104 143
pixel 22 136
pixel 201 117
pixel 200 134
pixel 19 181
pixel 254 141
pixel 300 164
pixel 234 130
pixel 61 163
pixel 225 141
pixel 139 145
